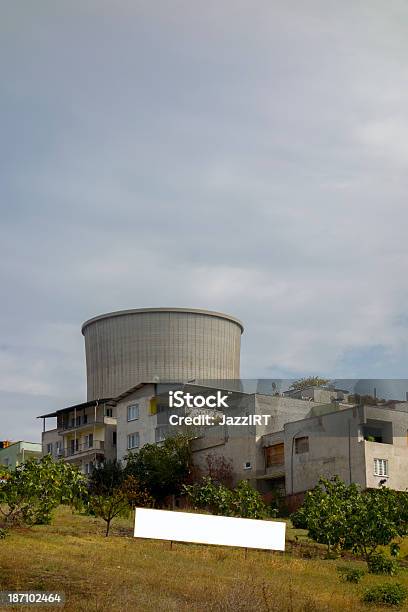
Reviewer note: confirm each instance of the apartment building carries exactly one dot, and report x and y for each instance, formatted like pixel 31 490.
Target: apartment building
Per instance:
pixel 85 434
pixel 14 453
pixel 364 444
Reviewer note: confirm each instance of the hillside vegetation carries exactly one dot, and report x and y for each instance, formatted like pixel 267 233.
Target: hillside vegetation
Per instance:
pixel 122 573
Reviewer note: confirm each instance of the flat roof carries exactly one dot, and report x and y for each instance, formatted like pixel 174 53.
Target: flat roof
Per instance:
pixel 76 406
pixel 119 313
pixel 19 442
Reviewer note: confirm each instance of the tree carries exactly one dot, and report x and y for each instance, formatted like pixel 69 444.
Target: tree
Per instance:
pixel 379 516
pixel 220 469
pixel 30 492
pixel 243 501
pixel 161 469
pixel 112 492
pixel 108 507
pixel 345 518
pixel 310 381
pixel 325 512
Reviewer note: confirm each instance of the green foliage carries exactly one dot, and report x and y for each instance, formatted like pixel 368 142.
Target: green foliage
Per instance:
pixel 388 594
pixel 243 501
pixel 112 493
pixel 161 469
pixel 351 574
pixel 324 513
pixel 3 533
pixel 310 381
pixel 378 563
pixel 109 506
pixel 30 492
pixel 106 478
pixel 345 518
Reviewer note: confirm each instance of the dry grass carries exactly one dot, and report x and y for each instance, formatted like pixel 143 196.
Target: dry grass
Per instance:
pixel 121 573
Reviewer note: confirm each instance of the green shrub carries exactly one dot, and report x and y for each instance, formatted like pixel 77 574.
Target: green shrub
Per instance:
pixel 243 501
pixel 380 564
pixel 351 574
pixel 3 533
pixel 389 594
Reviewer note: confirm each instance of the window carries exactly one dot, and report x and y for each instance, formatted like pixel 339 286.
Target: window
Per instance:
pixel 247 465
pixel 109 412
pixel 114 438
pixel 302 445
pixel 160 433
pixel 85 418
pixel 58 448
pixel 49 448
pixel 74 445
pixel 88 467
pixel 133 440
pixel 89 440
pixel 133 412
pixel 275 455
pixel 380 467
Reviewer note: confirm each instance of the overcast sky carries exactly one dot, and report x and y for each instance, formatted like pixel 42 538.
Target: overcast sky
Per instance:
pixel 237 156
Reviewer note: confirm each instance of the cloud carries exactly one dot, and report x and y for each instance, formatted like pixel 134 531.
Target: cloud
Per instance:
pixel 220 157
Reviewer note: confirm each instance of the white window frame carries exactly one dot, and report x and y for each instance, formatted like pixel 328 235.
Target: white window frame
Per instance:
pixel 381 467
pixel 49 448
pixel 133 444
pixel 128 412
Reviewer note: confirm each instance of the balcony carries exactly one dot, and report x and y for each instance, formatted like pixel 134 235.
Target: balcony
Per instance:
pixel 378 431
pixel 81 424
pixel 97 445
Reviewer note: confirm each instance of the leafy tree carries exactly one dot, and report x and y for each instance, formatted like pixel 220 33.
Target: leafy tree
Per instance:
pixel 310 381
pixel 247 502
pixel 343 517
pixel 325 513
pixel 112 493
pixel 161 469
pixel 30 492
pixel 243 501
pixel 378 517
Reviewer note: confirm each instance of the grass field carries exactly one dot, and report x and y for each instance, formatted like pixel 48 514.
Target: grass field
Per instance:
pixel 121 573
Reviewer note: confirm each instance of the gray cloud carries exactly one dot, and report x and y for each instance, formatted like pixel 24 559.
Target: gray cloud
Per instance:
pixel 250 159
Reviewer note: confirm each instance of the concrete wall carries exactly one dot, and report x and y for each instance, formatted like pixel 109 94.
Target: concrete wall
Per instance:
pixel 337 447
pixel 244 444
pixel 145 425
pixel 128 347
pixel 18 452
pixel 396 453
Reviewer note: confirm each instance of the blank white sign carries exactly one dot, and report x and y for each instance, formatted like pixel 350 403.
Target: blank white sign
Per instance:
pixel 209 529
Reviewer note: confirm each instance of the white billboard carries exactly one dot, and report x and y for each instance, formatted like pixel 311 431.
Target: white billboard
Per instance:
pixel 209 529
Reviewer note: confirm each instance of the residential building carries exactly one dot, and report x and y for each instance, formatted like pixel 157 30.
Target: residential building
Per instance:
pixel 362 444
pixel 15 453
pixel 85 434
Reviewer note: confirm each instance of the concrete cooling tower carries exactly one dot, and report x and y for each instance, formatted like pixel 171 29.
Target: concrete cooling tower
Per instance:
pixel 159 345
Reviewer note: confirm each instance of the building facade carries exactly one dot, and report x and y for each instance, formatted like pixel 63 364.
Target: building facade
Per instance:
pixel 159 345
pixel 16 453
pixel 85 434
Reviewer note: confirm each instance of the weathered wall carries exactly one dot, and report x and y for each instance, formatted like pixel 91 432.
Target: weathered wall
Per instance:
pixel 146 345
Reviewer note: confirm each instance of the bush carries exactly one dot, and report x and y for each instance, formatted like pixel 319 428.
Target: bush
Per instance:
pixel 299 518
pixel 389 594
pixel 380 564
pixel 243 501
pixel 351 574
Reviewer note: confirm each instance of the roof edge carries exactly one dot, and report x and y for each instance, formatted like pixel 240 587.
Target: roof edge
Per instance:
pixel 119 313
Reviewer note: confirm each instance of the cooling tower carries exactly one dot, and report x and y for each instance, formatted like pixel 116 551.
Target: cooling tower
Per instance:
pixel 159 345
